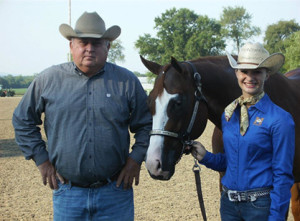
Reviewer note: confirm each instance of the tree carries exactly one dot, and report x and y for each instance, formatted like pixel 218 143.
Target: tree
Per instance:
pixel 236 25
pixel 181 34
pixel 277 33
pixel 4 82
pixel 149 47
pixel 292 52
pixel 206 40
pixel 138 74
pixel 115 52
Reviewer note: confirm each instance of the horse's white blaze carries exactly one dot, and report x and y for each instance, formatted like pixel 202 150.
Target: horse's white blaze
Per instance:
pixel 160 118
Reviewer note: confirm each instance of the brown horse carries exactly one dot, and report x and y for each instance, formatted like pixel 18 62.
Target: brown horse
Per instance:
pixel 177 92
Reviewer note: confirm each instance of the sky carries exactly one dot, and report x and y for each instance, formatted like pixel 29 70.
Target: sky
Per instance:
pixel 31 42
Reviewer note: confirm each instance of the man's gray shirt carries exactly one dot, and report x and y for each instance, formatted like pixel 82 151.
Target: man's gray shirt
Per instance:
pixel 86 121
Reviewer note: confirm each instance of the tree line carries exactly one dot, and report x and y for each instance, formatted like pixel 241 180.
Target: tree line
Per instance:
pixel 10 81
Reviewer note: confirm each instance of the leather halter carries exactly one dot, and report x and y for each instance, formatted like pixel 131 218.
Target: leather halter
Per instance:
pixel 185 137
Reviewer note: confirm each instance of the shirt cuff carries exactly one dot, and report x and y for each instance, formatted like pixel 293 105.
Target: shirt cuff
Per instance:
pixel 206 158
pixel 41 157
pixel 137 156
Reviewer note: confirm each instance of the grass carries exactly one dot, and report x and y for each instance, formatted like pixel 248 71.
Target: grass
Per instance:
pixel 20 91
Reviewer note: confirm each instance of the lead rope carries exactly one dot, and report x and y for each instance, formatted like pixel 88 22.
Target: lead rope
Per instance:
pixel 196 170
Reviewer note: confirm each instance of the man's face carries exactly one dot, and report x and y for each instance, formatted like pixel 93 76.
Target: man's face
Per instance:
pixel 89 54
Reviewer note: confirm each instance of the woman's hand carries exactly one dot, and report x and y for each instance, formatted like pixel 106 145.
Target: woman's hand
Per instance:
pixel 198 150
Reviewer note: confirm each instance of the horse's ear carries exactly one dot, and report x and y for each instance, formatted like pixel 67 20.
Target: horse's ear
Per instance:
pixel 151 66
pixel 175 64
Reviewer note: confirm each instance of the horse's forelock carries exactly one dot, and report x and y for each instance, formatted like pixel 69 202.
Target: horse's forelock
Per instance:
pixel 157 91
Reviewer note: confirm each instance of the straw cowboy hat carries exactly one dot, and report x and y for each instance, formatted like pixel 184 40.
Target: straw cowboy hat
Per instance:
pixel 90 25
pixel 253 56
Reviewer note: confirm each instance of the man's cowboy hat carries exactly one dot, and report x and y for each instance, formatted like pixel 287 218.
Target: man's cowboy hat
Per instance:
pixel 253 56
pixel 90 25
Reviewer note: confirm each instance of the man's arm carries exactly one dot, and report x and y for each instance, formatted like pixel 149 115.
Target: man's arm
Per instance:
pixel 26 121
pixel 140 124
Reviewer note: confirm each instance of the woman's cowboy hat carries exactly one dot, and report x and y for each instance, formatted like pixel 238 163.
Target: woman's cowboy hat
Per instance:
pixel 90 25
pixel 253 56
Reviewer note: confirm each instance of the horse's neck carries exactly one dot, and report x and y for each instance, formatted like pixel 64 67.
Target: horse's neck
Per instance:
pixel 220 88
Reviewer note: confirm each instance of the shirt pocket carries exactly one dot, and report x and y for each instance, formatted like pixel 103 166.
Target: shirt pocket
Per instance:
pixel 115 108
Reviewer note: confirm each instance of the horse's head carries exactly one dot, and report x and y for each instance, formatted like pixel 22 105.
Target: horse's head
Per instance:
pixel 172 103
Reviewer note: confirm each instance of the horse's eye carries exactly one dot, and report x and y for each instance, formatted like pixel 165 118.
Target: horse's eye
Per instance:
pixel 176 107
pixel 177 103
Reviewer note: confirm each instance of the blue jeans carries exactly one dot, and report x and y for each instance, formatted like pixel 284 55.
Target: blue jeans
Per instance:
pixel 257 210
pixel 105 203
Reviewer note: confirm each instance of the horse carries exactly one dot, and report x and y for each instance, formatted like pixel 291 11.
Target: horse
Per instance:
pixel 187 94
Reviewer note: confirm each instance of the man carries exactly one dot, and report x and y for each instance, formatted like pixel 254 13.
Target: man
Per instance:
pixel 89 105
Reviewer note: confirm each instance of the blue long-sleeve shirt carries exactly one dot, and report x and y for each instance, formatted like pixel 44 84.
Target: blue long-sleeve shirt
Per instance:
pixel 86 121
pixel 263 157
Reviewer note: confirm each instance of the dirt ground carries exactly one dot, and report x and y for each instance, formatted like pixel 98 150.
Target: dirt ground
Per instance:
pixel 23 196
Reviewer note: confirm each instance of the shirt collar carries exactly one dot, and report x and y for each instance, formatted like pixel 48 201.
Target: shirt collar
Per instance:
pixel 80 73
pixel 262 104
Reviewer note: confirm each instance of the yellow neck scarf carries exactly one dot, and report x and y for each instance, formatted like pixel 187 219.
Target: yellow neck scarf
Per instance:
pixel 244 119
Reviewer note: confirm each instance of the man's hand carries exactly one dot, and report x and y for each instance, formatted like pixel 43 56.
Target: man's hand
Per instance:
pixel 130 171
pixel 49 175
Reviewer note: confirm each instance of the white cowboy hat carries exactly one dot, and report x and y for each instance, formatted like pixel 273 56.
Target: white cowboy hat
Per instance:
pixel 253 56
pixel 90 25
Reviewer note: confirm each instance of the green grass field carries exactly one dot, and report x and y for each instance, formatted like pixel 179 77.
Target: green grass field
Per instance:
pixel 20 91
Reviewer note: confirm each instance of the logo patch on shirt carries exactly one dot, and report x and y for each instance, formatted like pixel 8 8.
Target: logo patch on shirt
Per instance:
pixel 108 95
pixel 258 121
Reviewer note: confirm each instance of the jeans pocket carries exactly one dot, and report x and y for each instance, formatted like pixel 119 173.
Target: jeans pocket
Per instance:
pixel 61 189
pixel 120 188
pixel 262 202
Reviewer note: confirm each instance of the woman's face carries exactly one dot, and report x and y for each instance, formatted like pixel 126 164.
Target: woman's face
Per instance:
pixel 251 81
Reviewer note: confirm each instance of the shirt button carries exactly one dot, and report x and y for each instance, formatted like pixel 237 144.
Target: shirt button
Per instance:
pixel 90 140
pixel 90 93
pixel 90 157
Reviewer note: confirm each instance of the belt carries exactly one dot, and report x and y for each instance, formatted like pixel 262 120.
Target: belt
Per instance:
pixel 246 196
pixel 98 184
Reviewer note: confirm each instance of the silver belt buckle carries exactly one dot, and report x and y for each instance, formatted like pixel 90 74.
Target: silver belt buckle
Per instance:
pixel 229 192
pixel 253 197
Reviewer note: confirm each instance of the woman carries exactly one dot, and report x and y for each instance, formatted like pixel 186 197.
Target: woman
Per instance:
pixel 259 141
